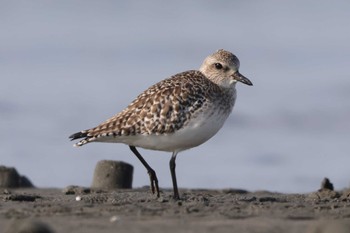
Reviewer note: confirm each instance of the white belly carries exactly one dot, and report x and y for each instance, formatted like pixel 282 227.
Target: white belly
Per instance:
pixel 196 132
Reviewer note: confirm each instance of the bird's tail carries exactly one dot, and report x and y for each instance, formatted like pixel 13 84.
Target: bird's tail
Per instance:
pixel 82 134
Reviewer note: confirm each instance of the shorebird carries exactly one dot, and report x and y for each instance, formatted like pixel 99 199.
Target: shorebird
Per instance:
pixel 176 114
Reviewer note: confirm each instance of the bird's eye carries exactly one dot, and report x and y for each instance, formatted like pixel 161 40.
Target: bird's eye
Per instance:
pixel 218 66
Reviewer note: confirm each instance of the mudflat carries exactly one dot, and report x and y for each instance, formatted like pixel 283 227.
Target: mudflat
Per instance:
pixel 78 209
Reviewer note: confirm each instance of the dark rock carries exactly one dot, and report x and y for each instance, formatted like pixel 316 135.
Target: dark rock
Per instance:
pixel 247 198
pixel 234 191
pixel 9 178
pixel 326 184
pixel 267 199
pixel 112 175
pixel 21 197
pixel 24 182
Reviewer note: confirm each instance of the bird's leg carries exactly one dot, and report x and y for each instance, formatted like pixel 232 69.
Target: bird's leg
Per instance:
pixel 151 172
pixel 173 176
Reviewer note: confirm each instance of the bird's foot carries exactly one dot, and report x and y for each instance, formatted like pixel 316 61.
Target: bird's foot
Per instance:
pixel 176 196
pixel 154 182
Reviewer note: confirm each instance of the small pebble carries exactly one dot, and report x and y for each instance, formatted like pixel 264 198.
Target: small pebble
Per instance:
pixel 78 198
pixel 114 218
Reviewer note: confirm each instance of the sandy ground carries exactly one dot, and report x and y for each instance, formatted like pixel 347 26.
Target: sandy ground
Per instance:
pixel 77 209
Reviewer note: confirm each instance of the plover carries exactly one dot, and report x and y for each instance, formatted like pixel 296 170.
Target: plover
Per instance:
pixel 176 114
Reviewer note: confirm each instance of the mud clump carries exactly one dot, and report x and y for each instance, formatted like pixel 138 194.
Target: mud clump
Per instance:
pixel 112 175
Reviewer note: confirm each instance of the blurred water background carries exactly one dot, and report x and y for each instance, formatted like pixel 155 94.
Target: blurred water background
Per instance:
pixel 68 65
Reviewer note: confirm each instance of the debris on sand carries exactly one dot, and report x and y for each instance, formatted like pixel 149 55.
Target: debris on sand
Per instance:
pixel 326 192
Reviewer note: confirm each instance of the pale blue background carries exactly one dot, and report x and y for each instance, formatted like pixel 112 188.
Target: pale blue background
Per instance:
pixel 69 65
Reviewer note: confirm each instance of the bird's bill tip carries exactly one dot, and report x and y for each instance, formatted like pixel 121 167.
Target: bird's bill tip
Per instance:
pixel 240 78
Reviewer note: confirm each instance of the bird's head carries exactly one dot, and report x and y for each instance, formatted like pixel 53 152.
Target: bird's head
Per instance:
pixel 222 68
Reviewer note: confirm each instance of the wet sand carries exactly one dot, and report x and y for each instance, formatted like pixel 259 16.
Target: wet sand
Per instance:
pixel 136 210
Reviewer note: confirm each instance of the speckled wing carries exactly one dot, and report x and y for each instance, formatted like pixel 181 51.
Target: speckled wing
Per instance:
pixel 162 109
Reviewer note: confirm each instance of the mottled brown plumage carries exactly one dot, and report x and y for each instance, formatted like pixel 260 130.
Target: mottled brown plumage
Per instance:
pixel 163 108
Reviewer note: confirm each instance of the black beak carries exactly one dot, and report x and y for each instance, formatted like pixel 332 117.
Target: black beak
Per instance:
pixel 240 78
